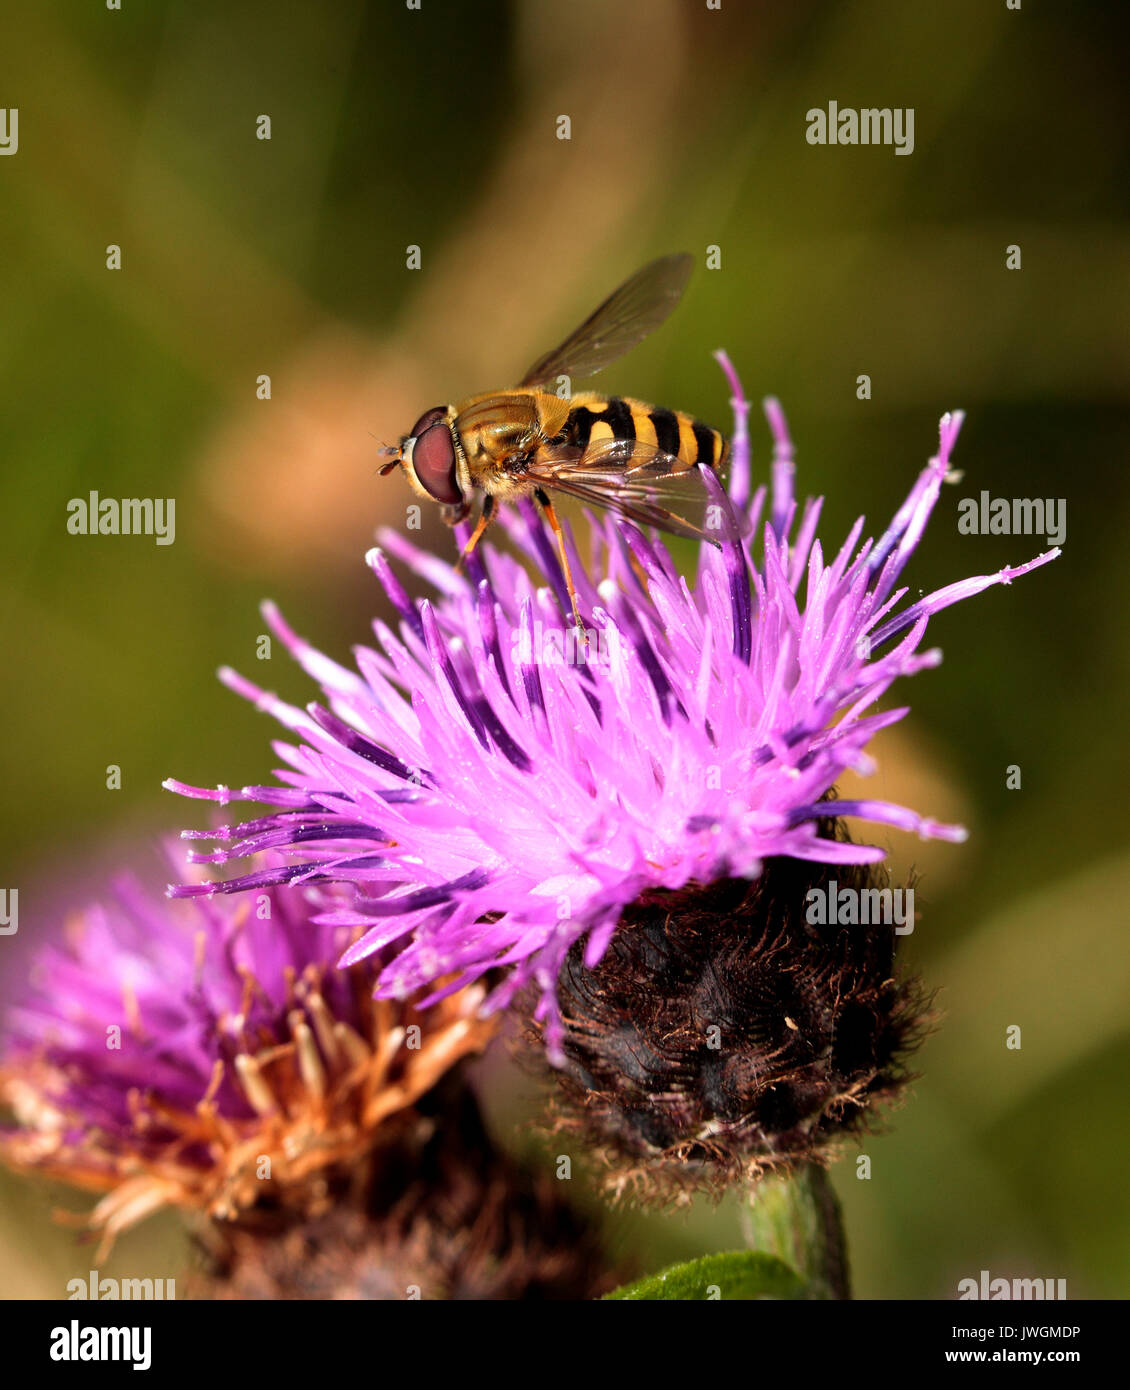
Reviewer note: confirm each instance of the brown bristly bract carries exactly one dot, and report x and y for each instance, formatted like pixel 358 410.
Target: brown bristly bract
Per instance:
pixel 723 1037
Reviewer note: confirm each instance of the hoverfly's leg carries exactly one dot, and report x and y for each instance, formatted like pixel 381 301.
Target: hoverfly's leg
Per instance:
pixel 485 518
pixel 555 526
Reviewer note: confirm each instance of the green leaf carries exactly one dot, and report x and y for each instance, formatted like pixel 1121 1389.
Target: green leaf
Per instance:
pixel 741 1274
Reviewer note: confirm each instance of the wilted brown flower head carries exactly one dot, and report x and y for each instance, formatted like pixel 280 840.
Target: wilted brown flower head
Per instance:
pixel 214 1058
pixel 440 1213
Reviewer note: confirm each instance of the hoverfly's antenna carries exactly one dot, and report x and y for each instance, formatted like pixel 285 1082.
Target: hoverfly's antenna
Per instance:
pixel 392 452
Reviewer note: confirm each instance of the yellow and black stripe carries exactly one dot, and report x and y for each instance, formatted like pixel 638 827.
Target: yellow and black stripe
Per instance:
pixel 673 431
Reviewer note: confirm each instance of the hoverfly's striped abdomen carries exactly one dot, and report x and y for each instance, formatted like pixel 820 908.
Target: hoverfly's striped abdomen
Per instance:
pixel 618 417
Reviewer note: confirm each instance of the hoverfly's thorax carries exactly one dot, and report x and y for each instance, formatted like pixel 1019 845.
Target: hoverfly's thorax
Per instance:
pixel 500 426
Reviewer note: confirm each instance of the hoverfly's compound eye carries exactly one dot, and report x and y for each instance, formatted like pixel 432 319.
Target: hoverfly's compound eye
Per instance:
pixel 433 457
pixel 426 421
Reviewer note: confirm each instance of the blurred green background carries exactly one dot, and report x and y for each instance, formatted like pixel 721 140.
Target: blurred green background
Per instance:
pixel 436 128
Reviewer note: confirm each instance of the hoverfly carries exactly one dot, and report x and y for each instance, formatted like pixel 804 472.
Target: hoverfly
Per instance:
pixel 608 451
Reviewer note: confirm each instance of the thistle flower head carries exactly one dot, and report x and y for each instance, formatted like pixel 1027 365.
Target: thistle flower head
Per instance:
pixel 211 1056
pixel 497 792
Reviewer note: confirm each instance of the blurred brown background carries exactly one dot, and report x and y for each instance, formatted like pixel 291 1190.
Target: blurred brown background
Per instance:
pixel 436 128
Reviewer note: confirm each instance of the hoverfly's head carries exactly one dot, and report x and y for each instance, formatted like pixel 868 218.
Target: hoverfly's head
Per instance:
pixel 429 457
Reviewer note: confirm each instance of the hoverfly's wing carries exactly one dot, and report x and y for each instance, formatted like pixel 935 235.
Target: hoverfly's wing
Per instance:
pixel 625 318
pixel 633 479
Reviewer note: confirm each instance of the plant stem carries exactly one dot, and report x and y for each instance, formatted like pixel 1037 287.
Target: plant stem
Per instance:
pixel 798 1220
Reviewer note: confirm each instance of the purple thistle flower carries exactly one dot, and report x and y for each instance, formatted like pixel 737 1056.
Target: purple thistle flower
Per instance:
pixel 495 791
pixel 162 1051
